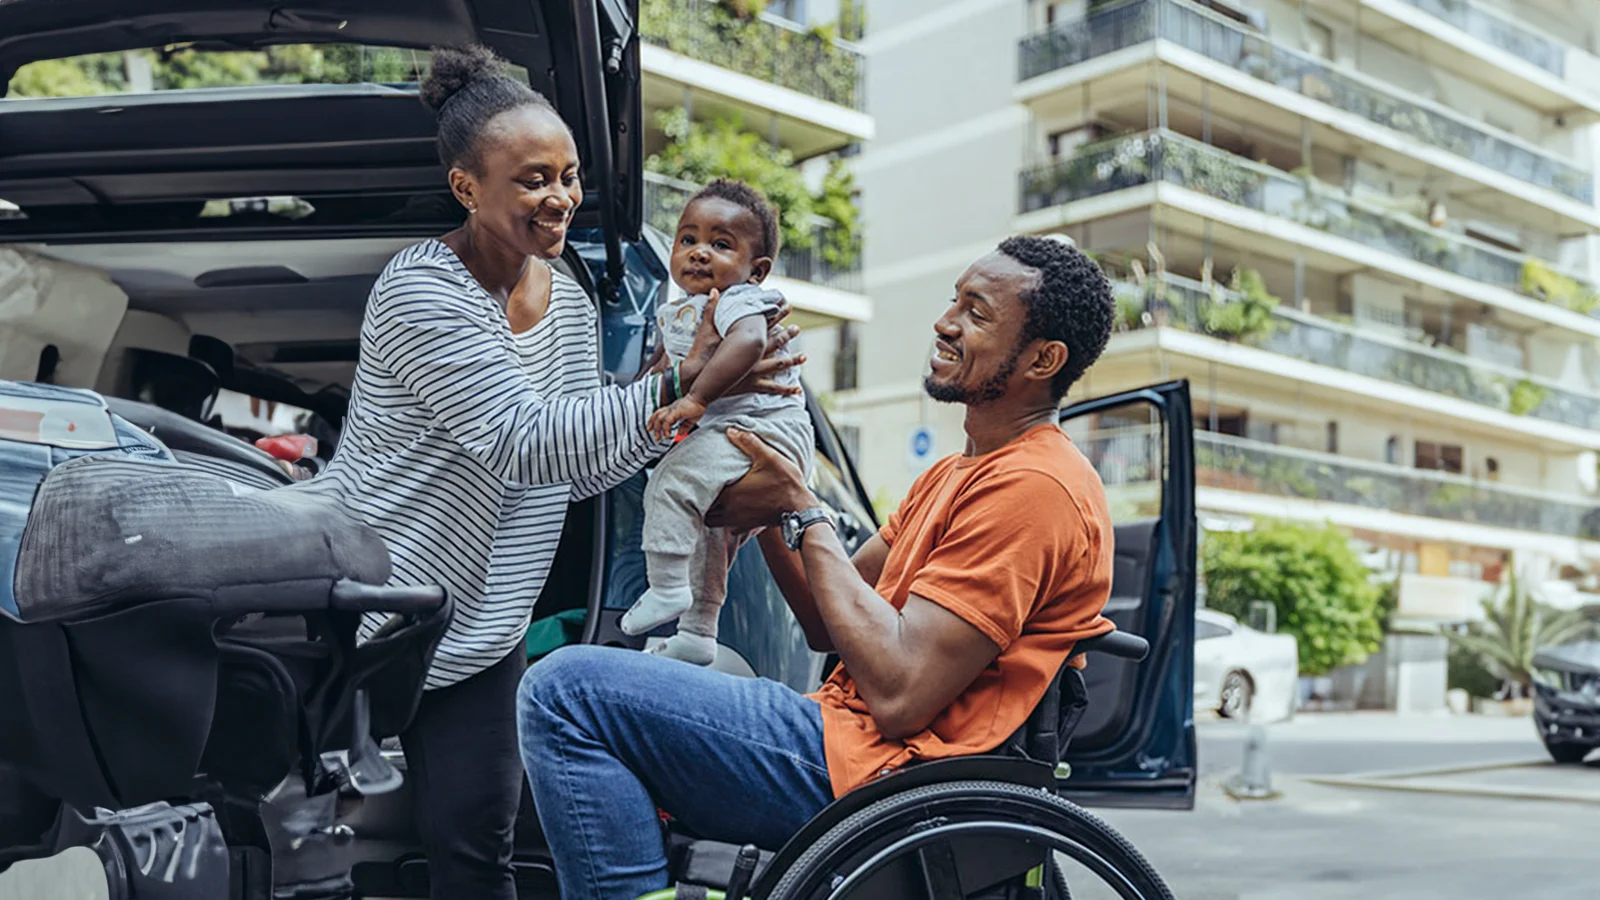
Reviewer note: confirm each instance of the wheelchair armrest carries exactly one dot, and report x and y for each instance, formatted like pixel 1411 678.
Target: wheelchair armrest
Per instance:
pixel 1120 644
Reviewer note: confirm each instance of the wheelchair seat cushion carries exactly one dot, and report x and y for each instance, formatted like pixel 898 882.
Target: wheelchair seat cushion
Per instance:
pixel 106 533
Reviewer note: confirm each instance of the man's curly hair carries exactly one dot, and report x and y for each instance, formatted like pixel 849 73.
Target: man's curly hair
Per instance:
pixel 1072 303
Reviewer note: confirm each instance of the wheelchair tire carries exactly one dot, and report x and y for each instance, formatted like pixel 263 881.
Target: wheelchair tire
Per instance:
pixel 900 823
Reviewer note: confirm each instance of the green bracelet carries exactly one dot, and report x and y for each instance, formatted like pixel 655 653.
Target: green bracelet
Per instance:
pixel 677 381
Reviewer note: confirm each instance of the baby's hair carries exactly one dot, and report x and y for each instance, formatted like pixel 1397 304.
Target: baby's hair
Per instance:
pixel 741 194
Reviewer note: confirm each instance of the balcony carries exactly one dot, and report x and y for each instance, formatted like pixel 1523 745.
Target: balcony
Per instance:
pixel 1499 31
pixel 1164 156
pixel 763 47
pixel 1253 53
pixel 1183 303
pixel 1235 464
pixel 664 199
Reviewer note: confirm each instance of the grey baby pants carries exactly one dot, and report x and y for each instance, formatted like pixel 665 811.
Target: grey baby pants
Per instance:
pixel 680 550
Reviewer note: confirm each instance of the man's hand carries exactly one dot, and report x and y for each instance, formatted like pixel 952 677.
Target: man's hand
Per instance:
pixel 772 487
pixel 682 414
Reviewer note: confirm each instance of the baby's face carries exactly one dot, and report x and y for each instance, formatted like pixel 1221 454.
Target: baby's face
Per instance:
pixel 718 245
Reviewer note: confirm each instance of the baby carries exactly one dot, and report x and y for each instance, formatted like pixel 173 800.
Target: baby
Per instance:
pixel 726 242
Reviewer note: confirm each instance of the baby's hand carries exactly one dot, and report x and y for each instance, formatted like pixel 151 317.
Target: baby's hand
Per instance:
pixel 682 414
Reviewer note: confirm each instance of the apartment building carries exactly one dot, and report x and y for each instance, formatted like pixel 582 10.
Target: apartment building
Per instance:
pixel 783 70
pixel 1365 230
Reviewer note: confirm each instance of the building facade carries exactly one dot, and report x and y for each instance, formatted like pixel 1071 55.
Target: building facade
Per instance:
pixel 1365 230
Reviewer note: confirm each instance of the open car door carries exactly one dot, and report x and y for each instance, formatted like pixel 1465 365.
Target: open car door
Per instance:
pixel 1135 745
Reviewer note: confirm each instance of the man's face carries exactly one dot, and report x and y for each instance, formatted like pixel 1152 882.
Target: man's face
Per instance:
pixel 979 338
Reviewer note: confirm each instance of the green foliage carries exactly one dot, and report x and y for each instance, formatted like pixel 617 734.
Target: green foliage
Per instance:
pixel 1515 626
pixel 1539 281
pixel 185 69
pixel 1247 315
pixel 1208 170
pixel 697 153
pixel 1130 309
pixel 1464 670
pixel 1526 397
pixel 1321 590
pixel 852 19
pixel 836 202
pixel 732 34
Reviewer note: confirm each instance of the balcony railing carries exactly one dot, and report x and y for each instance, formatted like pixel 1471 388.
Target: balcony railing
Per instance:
pixel 1138 21
pixel 664 199
pixel 761 47
pixel 1236 464
pixel 1187 304
pixel 1156 156
pixel 1499 31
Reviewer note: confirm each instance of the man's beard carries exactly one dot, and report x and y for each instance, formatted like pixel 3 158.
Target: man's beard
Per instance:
pixel 993 388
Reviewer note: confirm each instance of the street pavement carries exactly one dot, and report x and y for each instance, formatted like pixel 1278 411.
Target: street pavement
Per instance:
pixel 1319 840
pixel 1315 840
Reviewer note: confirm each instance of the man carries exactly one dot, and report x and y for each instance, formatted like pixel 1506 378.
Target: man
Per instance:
pixel 949 624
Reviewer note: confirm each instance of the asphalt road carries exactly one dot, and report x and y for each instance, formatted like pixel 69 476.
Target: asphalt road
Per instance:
pixel 1317 841
pixel 1313 841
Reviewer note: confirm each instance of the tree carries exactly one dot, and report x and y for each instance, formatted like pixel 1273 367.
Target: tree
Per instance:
pixel 1515 626
pixel 1323 593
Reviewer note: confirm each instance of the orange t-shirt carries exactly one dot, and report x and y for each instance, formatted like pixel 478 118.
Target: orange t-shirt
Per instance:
pixel 1018 543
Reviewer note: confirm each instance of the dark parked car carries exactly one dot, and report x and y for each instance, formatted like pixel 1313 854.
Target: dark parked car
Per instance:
pixel 1566 699
pixel 142 211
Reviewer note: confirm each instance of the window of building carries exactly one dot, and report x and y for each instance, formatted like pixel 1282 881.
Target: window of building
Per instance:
pixel 1439 457
pixel 1333 437
pixel 793 10
pixel 846 361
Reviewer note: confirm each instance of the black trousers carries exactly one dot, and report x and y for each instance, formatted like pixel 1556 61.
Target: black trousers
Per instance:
pixel 466 782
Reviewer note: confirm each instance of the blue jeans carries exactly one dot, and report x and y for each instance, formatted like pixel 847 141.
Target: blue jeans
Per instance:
pixel 609 735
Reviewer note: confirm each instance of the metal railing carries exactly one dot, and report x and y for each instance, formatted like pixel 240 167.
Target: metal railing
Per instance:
pixel 1254 53
pixel 1499 31
pixel 1187 304
pixel 1231 463
pixel 763 47
pixel 664 199
pixel 1157 156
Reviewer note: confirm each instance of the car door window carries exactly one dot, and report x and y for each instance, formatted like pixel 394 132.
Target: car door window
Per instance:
pixel 1140 714
pixel 1205 630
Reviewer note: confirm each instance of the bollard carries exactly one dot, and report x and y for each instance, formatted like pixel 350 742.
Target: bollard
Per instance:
pixel 1254 780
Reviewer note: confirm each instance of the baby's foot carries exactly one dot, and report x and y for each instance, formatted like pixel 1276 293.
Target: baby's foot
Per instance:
pixel 655 607
pixel 691 648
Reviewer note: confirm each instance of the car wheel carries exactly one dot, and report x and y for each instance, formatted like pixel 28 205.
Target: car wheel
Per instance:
pixel 1236 695
pixel 1567 753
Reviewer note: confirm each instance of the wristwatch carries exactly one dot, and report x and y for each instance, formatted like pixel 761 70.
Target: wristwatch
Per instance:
pixel 796 523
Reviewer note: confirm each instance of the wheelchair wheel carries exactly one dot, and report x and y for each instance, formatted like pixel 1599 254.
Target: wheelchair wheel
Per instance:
pixel 949 841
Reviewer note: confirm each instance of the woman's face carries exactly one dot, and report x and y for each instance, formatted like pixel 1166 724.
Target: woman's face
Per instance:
pixel 528 189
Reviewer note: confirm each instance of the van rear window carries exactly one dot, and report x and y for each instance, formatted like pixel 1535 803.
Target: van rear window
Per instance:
pixel 189 67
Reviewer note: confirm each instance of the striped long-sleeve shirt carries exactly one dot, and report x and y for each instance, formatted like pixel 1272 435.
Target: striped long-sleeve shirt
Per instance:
pixel 464 443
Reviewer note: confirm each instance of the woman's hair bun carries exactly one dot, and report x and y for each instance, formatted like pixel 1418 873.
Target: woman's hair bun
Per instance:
pixel 454 68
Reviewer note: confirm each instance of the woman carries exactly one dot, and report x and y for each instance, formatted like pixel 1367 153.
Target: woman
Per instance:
pixel 477 415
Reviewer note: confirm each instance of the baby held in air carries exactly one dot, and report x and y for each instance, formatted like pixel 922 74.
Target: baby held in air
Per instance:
pixel 726 242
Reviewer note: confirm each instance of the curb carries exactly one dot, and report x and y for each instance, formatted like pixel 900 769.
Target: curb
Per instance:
pixel 1496 793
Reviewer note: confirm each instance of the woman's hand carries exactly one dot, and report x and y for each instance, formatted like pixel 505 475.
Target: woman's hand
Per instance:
pixel 762 378
pixel 772 487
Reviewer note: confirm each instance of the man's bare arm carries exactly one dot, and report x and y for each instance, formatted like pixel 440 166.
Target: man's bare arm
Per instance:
pixel 909 664
pixel 788 570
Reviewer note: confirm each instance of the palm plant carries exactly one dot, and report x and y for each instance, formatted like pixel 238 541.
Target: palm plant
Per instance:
pixel 1515 626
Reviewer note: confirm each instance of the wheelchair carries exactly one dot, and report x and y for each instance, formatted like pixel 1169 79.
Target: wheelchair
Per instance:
pixel 181 686
pixel 972 828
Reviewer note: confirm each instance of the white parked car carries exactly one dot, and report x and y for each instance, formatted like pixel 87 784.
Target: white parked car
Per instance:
pixel 1238 669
